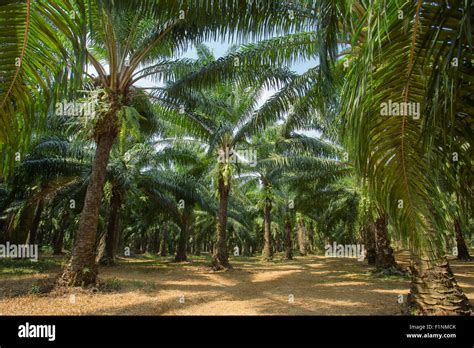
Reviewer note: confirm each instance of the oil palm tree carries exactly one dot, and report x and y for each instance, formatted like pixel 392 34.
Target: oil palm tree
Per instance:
pixel 416 54
pixel 265 177
pixel 44 42
pixel 313 167
pixel 222 117
pixel 403 154
pixel 178 193
pixel 53 165
pixel 126 44
pixel 129 43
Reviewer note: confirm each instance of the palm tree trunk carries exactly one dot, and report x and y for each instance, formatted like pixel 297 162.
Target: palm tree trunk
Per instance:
pixel 156 241
pixel 463 252
pixel 22 229
pixel 182 243
pixel 434 290
pixel 384 258
pixel 312 249
pixel 198 246
pixel 288 242
pixel 369 240
pixel 181 248
pixel 267 252
pixel 164 241
pixel 113 227
pixel 36 222
pixel 9 228
pixel 82 269
pixel 220 257
pixel 302 237
pixel 58 236
pixel 58 239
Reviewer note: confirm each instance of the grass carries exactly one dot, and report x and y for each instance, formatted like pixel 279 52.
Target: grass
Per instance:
pixel 24 267
pixel 116 284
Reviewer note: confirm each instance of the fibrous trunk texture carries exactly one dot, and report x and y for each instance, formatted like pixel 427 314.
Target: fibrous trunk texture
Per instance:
pixel 302 237
pixel 384 257
pixel 267 252
pixel 288 242
pixel 220 257
pixel 434 290
pixel 463 252
pixel 113 227
pixel 369 237
pixel 81 269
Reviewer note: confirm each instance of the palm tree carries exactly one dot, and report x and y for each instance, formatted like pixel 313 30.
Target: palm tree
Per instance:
pixel 399 154
pixel 312 167
pixel 267 177
pixel 178 195
pixel 281 158
pixel 222 117
pixel 53 166
pixel 414 54
pixel 127 160
pixel 128 44
pixel 392 84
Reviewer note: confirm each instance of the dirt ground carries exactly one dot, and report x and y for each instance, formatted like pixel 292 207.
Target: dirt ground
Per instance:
pixel 312 285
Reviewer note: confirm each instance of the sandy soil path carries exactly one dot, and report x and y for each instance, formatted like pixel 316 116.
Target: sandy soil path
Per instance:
pixel 311 285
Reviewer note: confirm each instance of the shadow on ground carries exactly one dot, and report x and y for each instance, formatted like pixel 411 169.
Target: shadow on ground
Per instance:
pixel 311 285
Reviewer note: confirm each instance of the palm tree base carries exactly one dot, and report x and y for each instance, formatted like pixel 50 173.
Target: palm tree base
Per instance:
pixel 463 251
pixel 267 254
pixel 384 258
pixel 386 264
pixel 434 290
pixel 395 270
pixel 73 276
pixel 220 263
pixel 180 258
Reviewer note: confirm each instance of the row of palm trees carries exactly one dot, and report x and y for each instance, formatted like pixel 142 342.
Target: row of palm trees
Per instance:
pixel 166 186
pixel 413 173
